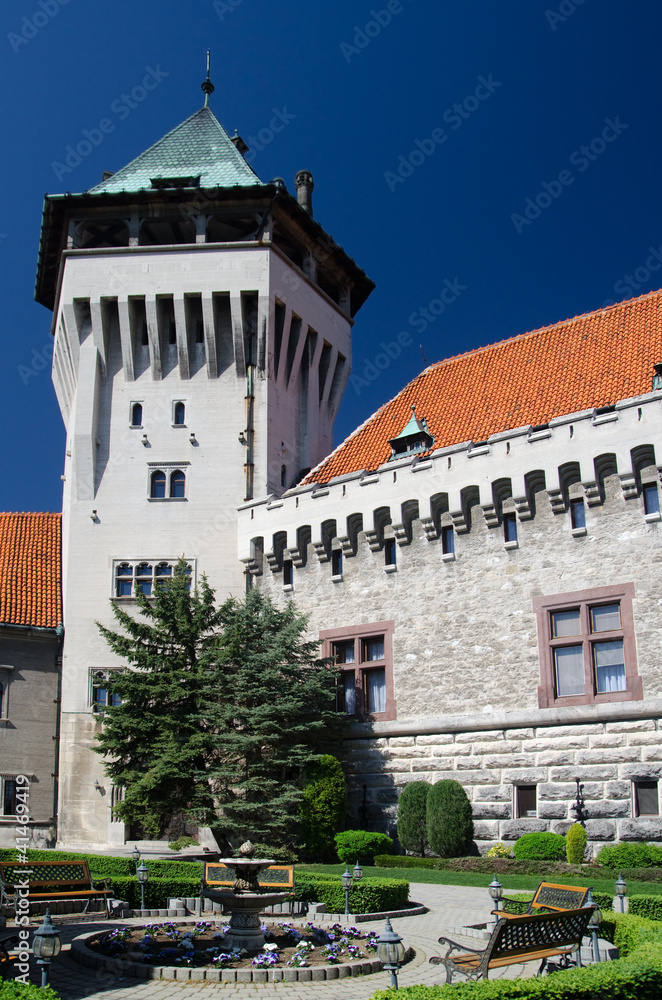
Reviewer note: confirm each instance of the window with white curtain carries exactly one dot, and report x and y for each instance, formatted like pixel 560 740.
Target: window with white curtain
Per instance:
pixel 364 658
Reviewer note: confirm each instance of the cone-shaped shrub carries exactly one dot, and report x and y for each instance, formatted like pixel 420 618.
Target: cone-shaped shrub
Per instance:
pixel 412 817
pixel 450 826
pixel 575 844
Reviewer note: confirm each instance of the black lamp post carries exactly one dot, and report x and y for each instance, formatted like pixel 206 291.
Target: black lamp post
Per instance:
pixel 594 923
pixel 621 890
pixel 390 952
pixel 143 877
pixel 46 946
pixel 348 880
pixel 496 892
pixel 135 854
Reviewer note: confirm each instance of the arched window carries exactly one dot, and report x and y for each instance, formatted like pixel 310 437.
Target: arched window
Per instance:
pixel 124 580
pixel 179 415
pixel 177 485
pixel 283 475
pixel 136 415
pixel 144 578
pixel 158 485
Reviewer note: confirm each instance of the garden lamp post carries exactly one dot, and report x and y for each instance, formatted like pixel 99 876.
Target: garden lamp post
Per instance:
pixel 348 880
pixel 390 952
pixel 594 923
pixel 46 946
pixel 143 877
pixel 621 890
pixel 135 854
pixel 496 892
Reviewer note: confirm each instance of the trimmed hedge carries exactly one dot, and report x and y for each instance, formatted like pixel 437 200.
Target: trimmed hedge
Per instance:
pixel 403 861
pixel 630 856
pixel 12 990
pixel 522 900
pixel 645 906
pixel 157 891
pixel 106 867
pixel 361 845
pixel 540 847
pixel 370 895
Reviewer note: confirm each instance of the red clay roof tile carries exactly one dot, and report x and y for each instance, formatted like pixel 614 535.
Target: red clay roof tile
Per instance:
pixel 589 361
pixel 30 573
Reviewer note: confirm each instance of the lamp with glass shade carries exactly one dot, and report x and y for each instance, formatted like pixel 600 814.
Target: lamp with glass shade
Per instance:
pixel 46 946
pixel 390 952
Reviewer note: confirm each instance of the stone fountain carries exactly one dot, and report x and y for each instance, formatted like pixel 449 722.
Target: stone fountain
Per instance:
pixel 246 899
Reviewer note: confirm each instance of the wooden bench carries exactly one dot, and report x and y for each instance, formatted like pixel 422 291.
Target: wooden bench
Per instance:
pixel 51 880
pixel 533 937
pixel 549 897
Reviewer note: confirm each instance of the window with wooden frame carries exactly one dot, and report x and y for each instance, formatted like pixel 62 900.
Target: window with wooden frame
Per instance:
pixel 364 657
pixel 587 647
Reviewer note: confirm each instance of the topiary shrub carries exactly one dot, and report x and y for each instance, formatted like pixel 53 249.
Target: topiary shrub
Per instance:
pixel 362 845
pixel 575 844
pixel 449 819
pixel 323 808
pixel 412 817
pixel 635 855
pixel 540 847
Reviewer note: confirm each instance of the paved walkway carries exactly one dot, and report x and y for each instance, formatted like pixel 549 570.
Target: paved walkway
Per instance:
pixel 449 907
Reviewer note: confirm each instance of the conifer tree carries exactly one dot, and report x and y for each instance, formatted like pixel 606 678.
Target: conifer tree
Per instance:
pixel 153 740
pixel 221 709
pixel 270 712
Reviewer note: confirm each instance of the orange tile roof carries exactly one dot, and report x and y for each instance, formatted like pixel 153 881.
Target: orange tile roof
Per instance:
pixel 30 589
pixel 589 361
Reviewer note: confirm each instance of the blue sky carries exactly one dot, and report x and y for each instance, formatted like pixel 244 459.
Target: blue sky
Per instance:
pixel 506 155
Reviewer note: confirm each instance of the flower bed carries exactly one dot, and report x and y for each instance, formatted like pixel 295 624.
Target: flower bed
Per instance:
pixel 198 946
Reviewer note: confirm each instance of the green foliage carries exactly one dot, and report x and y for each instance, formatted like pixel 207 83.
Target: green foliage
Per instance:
pixel 646 906
pixel 281 855
pixel 629 932
pixel 449 819
pixel 517 903
pixel 605 900
pixel 540 847
pixel 181 842
pixel 361 845
pixel 104 866
pixel 635 855
pixel 499 851
pixel 323 808
pixel 157 891
pixel 220 711
pixel 267 717
pixel 153 744
pixel 370 895
pixel 403 861
pixel 575 844
pixel 412 816
pixel 12 990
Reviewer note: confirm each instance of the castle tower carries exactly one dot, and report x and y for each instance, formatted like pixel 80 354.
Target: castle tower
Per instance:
pixel 202 324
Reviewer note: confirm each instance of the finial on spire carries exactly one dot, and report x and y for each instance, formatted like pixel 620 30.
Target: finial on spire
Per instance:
pixel 208 86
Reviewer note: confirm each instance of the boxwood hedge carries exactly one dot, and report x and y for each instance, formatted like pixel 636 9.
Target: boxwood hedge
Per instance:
pixel 370 895
pixel 12 990
pixel 646 906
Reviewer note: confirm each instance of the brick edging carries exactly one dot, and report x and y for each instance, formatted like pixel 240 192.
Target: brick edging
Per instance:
pixel 85 956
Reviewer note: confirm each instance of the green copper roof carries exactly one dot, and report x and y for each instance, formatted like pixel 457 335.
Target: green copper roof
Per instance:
pixel 200 146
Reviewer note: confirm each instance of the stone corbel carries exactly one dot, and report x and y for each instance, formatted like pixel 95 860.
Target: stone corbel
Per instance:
pixel 321 552
pixel 372 537
pixel 459 522
pixel 592 493
pixel 430 529
pixel 523 508
pixel 491 517
pixel 556 501
pixel 629 486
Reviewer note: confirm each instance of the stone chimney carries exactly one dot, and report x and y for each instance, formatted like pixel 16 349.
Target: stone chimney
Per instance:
pixel 304 185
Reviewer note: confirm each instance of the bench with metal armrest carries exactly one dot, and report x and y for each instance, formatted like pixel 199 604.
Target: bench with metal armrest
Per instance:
pixel 51 880
pixel 533 937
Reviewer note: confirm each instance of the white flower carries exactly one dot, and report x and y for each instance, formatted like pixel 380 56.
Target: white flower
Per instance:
pixel 270 947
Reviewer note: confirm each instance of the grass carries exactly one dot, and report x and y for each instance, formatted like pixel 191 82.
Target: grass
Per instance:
pixel 516 882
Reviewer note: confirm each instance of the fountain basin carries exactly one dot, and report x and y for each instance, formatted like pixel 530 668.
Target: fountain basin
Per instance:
pixel 245 908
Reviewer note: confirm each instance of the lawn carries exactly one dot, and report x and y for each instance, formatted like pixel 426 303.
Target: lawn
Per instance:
pixel 514 882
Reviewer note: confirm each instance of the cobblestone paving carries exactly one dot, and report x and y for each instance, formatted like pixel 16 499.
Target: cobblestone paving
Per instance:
pixel 449 907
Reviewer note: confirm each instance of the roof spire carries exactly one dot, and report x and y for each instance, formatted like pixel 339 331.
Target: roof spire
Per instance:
pixel 207 85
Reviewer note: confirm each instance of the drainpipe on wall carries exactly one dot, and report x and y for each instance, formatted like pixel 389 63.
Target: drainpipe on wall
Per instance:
pixel 249 464
pixel 59 632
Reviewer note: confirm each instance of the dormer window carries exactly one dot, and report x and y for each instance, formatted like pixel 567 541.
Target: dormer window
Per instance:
pixel 413 439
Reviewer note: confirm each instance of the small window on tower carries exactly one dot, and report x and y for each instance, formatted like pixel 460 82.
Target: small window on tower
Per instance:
pixel 336 562
pixel 158 485
pixel 179 414
pixel 136 415
pixel 389 552
pixel 177 485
